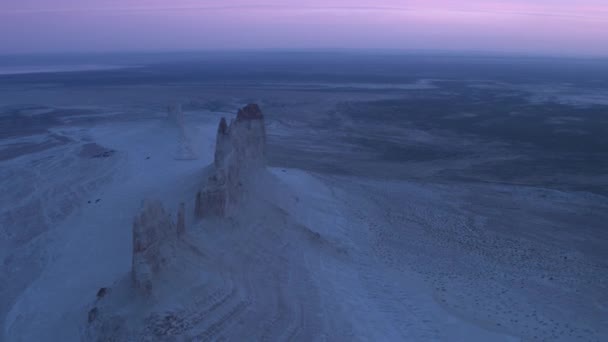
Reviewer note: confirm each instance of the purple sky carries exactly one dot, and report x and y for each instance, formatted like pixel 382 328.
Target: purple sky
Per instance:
pixel 570 27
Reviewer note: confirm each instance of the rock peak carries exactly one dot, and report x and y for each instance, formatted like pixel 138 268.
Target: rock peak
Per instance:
pixel 223 128
pixel 240 153
pixel 250 112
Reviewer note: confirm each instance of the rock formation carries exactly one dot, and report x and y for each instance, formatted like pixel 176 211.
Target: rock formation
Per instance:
pixel 153 231
pixel 181 219
pixel 184 147
pixel 239 155
pixel 184 151
pixel 240 152
pixel 198 205
pixel 175 114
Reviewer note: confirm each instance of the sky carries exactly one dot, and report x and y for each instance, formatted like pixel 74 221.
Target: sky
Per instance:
pixel 545 27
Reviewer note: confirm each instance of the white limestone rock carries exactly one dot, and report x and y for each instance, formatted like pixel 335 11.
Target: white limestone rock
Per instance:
pixel 175 114
pixel 153 231
pixel 240 153
pixel 184 151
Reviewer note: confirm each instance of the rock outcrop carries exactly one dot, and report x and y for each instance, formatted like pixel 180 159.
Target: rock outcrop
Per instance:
pixel 153 233
pixel 240 153
pixel 184 147
pixel 175 114
pixel 181 219
pixel 184 151
pixel 198 205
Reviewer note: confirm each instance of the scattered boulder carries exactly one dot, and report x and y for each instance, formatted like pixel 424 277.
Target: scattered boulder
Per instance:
pixel 102 292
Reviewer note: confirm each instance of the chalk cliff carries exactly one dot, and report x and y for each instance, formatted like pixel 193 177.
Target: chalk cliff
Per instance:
pixel 184 151
pixel 240 153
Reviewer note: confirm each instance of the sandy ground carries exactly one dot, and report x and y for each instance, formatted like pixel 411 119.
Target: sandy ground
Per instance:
pixel 316 257
pixel 312 256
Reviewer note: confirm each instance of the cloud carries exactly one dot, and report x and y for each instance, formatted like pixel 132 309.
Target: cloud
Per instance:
pixel 540 26
pixel 497 8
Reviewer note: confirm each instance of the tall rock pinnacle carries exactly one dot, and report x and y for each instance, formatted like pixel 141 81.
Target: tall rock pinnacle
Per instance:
pixel 250 112
pixel 240 152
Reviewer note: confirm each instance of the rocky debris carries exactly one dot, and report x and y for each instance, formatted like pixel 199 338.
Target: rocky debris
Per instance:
pixel 102 292
pixel 153 231
pixel 240 152
pixel 93 150
pixel 105 154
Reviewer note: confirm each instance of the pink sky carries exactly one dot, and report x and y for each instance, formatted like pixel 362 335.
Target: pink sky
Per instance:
pixel 559 27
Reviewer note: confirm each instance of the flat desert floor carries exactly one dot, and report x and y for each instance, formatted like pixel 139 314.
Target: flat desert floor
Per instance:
pixel 378 219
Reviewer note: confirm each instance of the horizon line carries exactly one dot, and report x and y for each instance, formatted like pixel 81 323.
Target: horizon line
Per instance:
pixel 404 51
pixel 596 14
